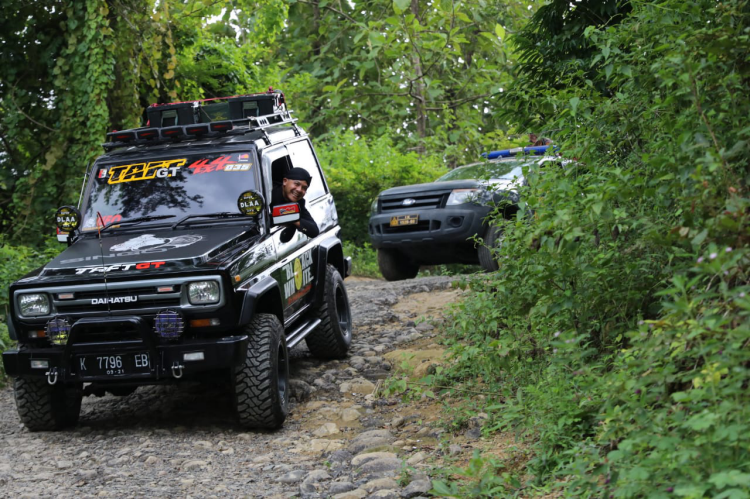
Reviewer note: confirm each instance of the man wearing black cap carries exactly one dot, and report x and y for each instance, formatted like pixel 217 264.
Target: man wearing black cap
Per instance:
pixel 292 190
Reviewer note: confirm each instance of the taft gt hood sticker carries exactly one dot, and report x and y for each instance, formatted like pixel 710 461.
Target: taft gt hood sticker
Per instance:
pixel 149 242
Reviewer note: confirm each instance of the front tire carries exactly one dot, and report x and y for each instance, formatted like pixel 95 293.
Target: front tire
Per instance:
pixel 45 407
pixel 261 385
pixel 395 266
pixel 493 239
pixel 332 338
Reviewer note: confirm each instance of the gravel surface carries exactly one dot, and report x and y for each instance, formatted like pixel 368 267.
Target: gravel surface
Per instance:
pixel 182 441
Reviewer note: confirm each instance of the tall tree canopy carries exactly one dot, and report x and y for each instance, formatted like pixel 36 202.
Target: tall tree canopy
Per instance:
pixel 429 74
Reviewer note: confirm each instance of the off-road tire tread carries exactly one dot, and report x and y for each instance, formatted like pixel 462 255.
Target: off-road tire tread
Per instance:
pixel 43 407
pixel 485 253
pixel 394 266
pixel 256 397
pixel 327 341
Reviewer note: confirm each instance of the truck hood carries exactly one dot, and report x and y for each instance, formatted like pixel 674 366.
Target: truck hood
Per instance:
pixel 498 185
pixel 155 251
pixel 435 187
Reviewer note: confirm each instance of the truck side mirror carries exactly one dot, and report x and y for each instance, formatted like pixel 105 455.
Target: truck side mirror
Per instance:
pixel 285 213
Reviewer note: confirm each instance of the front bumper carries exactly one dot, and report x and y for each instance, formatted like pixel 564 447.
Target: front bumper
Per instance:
pixel 449 225
pixel 165 360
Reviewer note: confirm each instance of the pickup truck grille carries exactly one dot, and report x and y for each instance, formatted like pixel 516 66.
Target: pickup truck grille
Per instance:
pixel 420 201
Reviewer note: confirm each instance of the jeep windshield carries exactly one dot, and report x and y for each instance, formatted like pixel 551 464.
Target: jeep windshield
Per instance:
pixel 168 187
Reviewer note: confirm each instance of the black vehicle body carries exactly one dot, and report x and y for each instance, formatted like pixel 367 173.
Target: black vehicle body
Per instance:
pixel 443 217
pixel 110 285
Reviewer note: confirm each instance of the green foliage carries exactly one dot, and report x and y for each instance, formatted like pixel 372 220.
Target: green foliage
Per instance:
pixel 364 259
pixel 615 332
pixel 15 262
pixel 482 477
pixel 357 169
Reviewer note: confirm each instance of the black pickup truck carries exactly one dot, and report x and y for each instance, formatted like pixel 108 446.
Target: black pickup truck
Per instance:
pixel 436 223
pixel 177 268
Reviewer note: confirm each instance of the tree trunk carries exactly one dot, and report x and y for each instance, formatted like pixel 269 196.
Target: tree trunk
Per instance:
pixel 417 90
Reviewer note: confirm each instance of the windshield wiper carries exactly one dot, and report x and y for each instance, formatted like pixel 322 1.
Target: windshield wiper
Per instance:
pixel 136 221
pixel 221 214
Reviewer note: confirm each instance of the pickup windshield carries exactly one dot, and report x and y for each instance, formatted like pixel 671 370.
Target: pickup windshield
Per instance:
pixel 177 186
pixel 506 170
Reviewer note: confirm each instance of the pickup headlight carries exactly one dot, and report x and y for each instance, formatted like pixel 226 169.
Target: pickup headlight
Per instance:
pixel 461 196
pixel 374 207
pixel 33 304
pixel 203 292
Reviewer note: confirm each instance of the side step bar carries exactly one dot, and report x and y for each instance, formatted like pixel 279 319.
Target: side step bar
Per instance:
pixel 299 334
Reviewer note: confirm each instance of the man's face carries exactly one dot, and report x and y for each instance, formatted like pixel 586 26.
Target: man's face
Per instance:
pixel 294 190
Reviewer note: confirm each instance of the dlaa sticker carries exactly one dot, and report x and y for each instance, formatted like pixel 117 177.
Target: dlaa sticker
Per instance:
pixel 121 267
pixel 144 171
pixel 299 277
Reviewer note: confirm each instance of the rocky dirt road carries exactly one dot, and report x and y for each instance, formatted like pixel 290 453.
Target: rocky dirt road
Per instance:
pixel 340 440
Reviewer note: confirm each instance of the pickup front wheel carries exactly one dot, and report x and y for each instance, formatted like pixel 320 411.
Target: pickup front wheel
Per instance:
pixel 395 266
pixel 493 239
pixel 261 385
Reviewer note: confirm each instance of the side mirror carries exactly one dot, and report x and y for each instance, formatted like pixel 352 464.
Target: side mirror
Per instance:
pixel 285 213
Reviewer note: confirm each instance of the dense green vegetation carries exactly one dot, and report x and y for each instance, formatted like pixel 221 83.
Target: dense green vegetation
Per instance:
pixel 615 333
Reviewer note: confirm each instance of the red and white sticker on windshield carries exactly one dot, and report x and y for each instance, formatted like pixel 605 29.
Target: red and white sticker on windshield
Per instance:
pixel 242 163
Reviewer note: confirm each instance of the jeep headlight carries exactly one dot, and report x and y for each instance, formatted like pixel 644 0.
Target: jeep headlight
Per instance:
pixel 203 292
pixel 461 196
pixel 33 304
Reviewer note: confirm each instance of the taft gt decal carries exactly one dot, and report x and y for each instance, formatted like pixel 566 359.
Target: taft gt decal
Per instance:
pixel 124 266
pixel 116 299
pixel 149 242
pixel 144 171
pixel 298 277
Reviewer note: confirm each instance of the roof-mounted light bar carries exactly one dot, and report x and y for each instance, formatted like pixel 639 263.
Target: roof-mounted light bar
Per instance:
pixel 531 150
pixel 148 134
pixel 196 119
pixel 121 136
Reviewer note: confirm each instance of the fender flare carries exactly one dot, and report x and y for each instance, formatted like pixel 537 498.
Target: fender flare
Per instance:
pixel 265 295
pixel 330 249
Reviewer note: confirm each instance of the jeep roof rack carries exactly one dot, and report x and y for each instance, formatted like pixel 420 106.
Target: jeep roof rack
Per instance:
pixel 196 119
pixel 507 153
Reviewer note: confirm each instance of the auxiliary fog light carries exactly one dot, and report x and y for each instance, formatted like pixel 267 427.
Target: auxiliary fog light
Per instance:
pixel 192 356
pixel 58 330
pixel 169 324
pixel 40 364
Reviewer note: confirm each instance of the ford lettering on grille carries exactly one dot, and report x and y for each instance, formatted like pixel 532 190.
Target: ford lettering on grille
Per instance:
pixel 114 299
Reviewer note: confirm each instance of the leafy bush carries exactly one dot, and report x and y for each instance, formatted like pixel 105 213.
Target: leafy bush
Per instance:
pixel 616 331
pixel 15 262
pixel 357 169
pixel 364 259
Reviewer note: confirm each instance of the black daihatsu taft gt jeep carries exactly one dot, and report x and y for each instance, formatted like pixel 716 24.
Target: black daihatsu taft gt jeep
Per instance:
pixel 177 268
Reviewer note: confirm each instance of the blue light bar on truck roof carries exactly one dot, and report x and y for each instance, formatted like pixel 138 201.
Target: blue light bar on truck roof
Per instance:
pixel 507 153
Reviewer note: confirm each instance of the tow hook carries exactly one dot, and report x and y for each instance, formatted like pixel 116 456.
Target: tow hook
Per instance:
pixel 52 376
pixel 177 370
